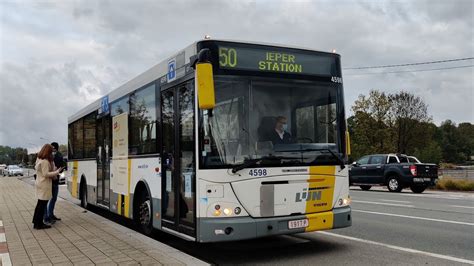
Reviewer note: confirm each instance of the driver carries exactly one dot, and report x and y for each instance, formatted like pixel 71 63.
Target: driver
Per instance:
pixel 280 135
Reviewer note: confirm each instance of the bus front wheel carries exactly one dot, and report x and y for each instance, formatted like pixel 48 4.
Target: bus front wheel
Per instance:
pixel 83 194
pixel 143 217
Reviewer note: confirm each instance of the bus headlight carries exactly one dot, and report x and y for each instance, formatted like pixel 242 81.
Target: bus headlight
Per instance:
pixel 227 211
pixel 344 201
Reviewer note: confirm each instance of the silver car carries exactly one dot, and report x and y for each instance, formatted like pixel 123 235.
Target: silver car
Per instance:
pixel 13 170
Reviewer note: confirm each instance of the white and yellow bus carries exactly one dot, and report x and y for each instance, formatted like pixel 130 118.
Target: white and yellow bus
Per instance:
pixel 222 141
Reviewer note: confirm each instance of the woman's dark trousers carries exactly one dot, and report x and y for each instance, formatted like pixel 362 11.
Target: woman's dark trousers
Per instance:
pixel 39 212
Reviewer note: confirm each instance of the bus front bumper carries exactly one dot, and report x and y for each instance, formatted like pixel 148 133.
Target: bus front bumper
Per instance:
pixel 239 228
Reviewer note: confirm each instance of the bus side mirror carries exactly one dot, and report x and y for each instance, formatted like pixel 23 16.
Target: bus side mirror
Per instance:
pixel 205 86
pixel 348 143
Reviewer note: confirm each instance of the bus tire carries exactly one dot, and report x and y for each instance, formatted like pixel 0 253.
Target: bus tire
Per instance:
pixel 143 213
pixel 393 184
pixel 418 188
pixel 365 187
pixel 83 195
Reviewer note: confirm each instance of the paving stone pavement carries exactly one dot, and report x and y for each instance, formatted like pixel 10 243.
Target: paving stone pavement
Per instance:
pixel 80 238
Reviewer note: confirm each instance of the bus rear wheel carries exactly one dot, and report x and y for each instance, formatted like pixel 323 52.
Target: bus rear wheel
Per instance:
pixel 143 213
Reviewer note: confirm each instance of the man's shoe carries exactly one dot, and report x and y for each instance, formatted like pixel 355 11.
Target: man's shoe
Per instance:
pixel 56 218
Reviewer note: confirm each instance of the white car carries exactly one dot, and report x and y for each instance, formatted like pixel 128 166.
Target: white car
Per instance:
pixel 62 178
pixel 13 170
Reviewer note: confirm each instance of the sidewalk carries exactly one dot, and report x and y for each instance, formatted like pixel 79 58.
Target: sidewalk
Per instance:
pixel 80 238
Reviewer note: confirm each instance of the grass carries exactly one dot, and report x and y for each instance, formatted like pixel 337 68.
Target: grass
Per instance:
pixel 447 183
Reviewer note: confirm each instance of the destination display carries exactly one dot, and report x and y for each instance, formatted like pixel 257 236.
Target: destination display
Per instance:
pixel 278 61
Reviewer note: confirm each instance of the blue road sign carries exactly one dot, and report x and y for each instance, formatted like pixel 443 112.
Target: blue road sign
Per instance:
pixel 104 104
pixel 172 70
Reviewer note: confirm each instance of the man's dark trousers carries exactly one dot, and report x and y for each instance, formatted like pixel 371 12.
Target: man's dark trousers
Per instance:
pixel 49 212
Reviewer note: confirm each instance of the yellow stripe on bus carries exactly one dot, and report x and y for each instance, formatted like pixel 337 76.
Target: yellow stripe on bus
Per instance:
pixel 320 221
pixel 119 204
pixel 320 192
pixel 75 171
pixel 127 197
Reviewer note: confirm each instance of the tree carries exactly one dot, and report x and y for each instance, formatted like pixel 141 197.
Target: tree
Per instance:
pixel 10 155
pixel 406 112
pixel 466 139
pixel 63 149
pixel 370 125
pixel 385 123
pixel 424 145
pixel 456 141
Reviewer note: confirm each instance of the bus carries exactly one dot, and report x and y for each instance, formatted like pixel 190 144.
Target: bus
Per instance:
pixel 222 141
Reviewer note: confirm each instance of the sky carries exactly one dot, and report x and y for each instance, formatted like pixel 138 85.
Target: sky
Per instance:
pixel 58 56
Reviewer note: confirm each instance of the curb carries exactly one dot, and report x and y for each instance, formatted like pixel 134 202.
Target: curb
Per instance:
pixel 170 251
pixel 4 254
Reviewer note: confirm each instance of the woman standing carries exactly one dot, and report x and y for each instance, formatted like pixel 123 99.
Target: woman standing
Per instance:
pixel 44 174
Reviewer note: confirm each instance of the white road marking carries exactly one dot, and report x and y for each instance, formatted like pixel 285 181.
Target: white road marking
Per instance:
pixel 5 259
pixel 383 203
pixel 2 238
pixel 399 201
pixel 459 206
pixel 401 248
pixel 414 217
pixel 426 194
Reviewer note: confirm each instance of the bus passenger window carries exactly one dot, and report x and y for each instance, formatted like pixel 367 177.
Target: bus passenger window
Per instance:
pixel 142 128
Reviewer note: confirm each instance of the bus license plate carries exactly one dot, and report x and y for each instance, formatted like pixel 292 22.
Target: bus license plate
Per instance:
pixel 298 224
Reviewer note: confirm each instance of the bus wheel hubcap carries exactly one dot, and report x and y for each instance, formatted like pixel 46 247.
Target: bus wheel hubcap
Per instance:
pixel 145 212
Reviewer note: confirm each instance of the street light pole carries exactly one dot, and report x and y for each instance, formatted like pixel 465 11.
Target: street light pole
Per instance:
pixel 45 139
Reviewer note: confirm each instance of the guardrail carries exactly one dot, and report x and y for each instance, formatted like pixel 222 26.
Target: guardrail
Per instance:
pixel 456 173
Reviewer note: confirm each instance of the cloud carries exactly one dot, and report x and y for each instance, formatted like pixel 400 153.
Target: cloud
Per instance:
pixel 56 57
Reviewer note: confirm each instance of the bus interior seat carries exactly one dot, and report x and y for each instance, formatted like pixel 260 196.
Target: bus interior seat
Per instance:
pixel 267 125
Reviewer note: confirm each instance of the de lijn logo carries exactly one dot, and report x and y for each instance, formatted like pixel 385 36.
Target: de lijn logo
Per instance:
pixel 308 195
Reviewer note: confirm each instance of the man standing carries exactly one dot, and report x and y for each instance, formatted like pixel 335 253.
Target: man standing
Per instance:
pixel 49 216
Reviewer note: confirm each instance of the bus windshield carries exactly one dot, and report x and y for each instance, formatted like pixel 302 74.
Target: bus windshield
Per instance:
pixel 281 122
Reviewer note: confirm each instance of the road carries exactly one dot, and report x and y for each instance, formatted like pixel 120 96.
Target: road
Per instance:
pixel 434 228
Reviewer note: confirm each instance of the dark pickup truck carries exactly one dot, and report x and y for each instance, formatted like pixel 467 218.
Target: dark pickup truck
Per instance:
pixel 396 171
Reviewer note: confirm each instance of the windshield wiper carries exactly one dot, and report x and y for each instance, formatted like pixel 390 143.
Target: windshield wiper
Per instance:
pixel 339 159
pixel 252 162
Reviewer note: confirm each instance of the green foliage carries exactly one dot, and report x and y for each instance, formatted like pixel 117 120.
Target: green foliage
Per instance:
pixel 457 142
pixel 390 123
pixel 10 155
pixel 431 153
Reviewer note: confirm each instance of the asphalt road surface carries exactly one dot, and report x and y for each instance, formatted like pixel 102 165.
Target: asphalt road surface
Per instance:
pixel 433 228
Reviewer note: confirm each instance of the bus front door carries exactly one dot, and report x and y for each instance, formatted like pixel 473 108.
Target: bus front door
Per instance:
pixel 178 164
pixel 103 143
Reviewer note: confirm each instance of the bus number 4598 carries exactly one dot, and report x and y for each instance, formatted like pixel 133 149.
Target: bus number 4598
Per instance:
pixel 258 172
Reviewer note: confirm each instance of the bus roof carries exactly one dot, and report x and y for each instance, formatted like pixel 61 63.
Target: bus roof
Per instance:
pixel 161 69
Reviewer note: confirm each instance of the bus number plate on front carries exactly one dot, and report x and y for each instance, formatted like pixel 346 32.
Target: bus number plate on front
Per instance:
pixel 298 224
